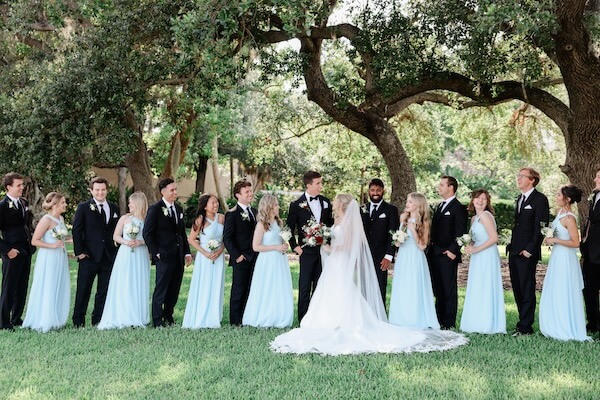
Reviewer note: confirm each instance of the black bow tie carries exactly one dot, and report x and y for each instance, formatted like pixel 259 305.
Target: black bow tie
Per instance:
pixel 312 198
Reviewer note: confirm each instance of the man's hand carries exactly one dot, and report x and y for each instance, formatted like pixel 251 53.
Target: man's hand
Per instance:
pixel 81 256
pixel 298 250
pixel 188 259
pixel 525 254
pixel 240 259
pixel 450 254
pixel 12 253
pixel 385 264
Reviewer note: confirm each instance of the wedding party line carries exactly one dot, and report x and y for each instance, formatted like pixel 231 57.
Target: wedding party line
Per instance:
pixel 345 253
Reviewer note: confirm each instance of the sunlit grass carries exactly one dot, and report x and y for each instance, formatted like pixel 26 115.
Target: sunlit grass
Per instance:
pixel 236 363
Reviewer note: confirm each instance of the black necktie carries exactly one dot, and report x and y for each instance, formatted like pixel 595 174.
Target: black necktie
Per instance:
pixel 312 198
pixel 441 206
pixel 521 202
pixel 374 209
pixel 102 212
pixel 173 213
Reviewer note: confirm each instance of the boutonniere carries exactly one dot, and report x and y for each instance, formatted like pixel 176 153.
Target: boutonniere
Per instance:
pixel 93 207
pixel 245 216
pixel 11 204
pixel 364 209
pixel 592 197
pixel 165 211
pixel 304 205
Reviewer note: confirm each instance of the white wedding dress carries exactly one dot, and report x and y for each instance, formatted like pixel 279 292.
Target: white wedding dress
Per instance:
pixel 346 314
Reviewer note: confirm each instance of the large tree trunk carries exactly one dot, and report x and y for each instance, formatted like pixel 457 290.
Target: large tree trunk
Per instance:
pixel 201 167
pixel 138 163
pixel 217 174
pixel 122 173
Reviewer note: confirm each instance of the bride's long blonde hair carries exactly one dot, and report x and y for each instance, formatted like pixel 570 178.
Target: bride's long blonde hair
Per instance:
pixel 340 204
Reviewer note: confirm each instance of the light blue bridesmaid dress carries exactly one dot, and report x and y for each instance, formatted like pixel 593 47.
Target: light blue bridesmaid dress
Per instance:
pixel 204 308
pixel 128 296
pixel 50 296
pixel 411 303
pixel 561 305
pixel 271 301
pixel 483 311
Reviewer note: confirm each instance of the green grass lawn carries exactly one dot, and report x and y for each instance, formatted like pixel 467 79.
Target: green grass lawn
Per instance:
pixel 236 363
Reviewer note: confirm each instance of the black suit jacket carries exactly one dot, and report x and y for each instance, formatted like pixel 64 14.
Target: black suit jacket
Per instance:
pixel 91 234
pixel 527 230
pixel 378 227
pixel 299 215
pixel 237 234
pixel 446 226
pixel 15 227
pixel 590 250
pixel 163 236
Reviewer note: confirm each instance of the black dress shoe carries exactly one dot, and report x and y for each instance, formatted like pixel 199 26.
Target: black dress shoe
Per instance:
pixel 79 325
pixel 18 322
pixel 519 333
pixel 8 328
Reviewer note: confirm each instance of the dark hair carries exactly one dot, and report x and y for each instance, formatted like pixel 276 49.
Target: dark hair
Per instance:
pixel 98 179
pixel 163 183
pixel 309 176
pixel 201 212
pixel 376 182
pixel 239 185
pixel 572 192
pixel 475 194
pixel 451 182
pixel 10 178
pixel 533 174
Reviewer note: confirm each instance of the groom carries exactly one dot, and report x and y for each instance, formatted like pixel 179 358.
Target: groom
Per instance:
pixel 310 204
pixel 93 227
pixel 590 255
pixel 16 249
pixel 379 219
pixel 164 234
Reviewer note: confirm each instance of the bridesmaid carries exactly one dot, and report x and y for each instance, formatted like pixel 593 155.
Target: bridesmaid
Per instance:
pixel 204 308
pixel 483 311
pixel 412 304
pixel 129 287
pixel 561 305
pixel 48 305
pixel 271 301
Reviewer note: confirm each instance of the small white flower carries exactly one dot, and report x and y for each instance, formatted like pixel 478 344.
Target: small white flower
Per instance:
pixel 464 239
pixel 548 232
pixel 364 209
pixel 245 216
pixel 285 234
pixel 312 241
pixel 304 205
pixel 11 204
pixel 165 211
pixel 213 245
pixel 398 237
pixel 93 207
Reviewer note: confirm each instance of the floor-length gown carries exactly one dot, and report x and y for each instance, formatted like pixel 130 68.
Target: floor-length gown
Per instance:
pixel 340 321
pixel 204 307
pixel 271 300
pixel 561 305
pixel 128 296
pixel 50 295
pixel 412 304
pixel 483 311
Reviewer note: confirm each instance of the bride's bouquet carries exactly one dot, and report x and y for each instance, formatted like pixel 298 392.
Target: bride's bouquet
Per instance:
pixel 315 233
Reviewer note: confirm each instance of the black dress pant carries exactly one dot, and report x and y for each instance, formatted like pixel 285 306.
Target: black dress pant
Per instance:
pixel 382 276
pixel 591 289
pixel 443 278
pixel 15 280
pixel 310 271
pixel 240 290
pixel 168 283
pixel 87 272
pixel 522 278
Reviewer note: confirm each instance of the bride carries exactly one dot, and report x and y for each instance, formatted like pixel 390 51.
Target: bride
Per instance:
pixel 346 314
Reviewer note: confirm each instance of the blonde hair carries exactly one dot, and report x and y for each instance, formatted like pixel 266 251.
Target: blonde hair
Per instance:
pixel 340 203
pixel 52 199
pixel 423 222
pixel 141 204
pixel 266 205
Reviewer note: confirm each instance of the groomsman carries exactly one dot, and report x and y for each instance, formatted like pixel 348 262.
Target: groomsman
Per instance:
pixel 310 204
pixel 16 249
pixel 164 234
pixel 531 213
pixel 93 227
pixel 379 218
pixel 238 231
pixel 449 222
pixel 590 253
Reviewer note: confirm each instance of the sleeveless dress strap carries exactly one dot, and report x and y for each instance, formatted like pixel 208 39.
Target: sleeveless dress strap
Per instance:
pixel 58 221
